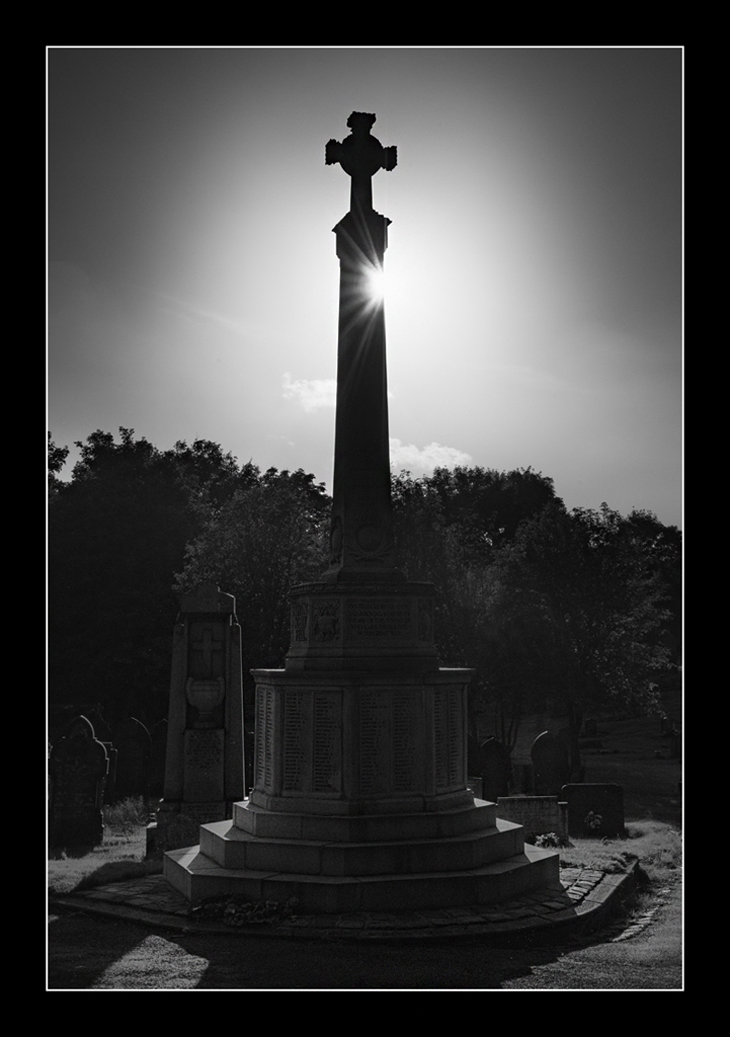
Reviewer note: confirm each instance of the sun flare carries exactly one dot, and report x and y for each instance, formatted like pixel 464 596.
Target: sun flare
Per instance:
pixel 375 284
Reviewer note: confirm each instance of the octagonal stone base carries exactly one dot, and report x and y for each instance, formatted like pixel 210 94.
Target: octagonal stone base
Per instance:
pixel 360 802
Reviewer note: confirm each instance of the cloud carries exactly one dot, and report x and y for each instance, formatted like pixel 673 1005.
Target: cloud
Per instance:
pixel 312 393
pixel 415 459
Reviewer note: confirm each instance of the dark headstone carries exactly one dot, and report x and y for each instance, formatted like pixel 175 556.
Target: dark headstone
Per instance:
pixel 111 777
pixel 475 757
pixel 551 763
pixel 595 810
pixel 77 767
pixel 496 770
pixel 60 719
pixel 523 779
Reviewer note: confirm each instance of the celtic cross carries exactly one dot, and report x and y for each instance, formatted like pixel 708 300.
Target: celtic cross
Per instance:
pixel 361 155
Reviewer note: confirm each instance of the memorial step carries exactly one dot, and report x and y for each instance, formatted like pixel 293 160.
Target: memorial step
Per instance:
pixel 197 877
pixel 387 827
pixel 234 849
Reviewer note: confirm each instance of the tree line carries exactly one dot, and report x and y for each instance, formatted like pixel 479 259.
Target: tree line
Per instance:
pixel 573 610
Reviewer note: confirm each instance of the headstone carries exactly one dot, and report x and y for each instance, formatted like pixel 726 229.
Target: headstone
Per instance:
pixel 496 770
pixel 77 768
pixel 475 757
pixel 110 783
pixel 204 765
pixel 595 810
pixel 539 815
pixel 523 778
pixel 551 764
pixel 134 750
pixel 60 719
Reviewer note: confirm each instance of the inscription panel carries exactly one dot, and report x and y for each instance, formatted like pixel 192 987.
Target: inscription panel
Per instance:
pixel 264 747
pixel 375 743
pixel 408 740
pixel 378 619
pixel 326 620
pixel 204 751
pixel 297 736
pixel 203 813
pixel 449 738
pixel 327 767
pixel 299 621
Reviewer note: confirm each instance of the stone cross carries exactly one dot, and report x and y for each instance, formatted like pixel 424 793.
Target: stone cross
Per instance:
pixel 361 155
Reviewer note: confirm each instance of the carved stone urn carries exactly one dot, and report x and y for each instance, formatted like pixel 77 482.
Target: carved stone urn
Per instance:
pixel 205 696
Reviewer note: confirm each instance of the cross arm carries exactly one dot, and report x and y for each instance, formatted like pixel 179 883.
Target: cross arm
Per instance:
pixel 390 157
pixel 332 152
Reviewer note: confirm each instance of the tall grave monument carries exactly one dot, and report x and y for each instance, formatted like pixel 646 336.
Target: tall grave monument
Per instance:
pixel 360 798
pixel 204 760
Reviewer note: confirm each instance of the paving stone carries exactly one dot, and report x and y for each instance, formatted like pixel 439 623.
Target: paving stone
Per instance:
pixel 153 896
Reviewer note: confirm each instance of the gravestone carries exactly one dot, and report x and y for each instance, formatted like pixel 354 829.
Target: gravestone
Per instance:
pixel 475 757
pixel 539 815
pixel 134 750
pixel 110 783
pixel 77 768
pixel 595 810
pixel 60 719
pixel 551 763
pixel 204 764
pixel 496 770
pixel 360 797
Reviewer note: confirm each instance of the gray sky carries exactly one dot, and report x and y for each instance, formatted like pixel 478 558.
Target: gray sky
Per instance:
pixel 533 276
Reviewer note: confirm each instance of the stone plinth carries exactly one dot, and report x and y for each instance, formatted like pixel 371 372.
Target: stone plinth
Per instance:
pixel 363 624
pixel 449 877
pixel 360 802
pixel 352 744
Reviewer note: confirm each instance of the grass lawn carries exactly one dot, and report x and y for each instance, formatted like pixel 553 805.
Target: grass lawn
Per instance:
pixel 635 755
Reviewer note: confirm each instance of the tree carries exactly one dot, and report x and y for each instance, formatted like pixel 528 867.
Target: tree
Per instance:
pixel 265 539
pixel 577 609
pixel 56 460
pixel 209 476
pixel 115 537
pixel 450 528
pixel 590 605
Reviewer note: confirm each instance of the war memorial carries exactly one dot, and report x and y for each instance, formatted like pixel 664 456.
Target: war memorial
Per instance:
pixel 360 800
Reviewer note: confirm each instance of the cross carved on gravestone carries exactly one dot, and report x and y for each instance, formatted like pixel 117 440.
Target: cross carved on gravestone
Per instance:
pixel 207 644
pixel 361 155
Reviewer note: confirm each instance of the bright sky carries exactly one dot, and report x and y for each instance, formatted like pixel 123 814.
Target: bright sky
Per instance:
pixel 533 276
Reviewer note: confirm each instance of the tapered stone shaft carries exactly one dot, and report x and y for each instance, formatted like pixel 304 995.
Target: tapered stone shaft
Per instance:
pixel 361 538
